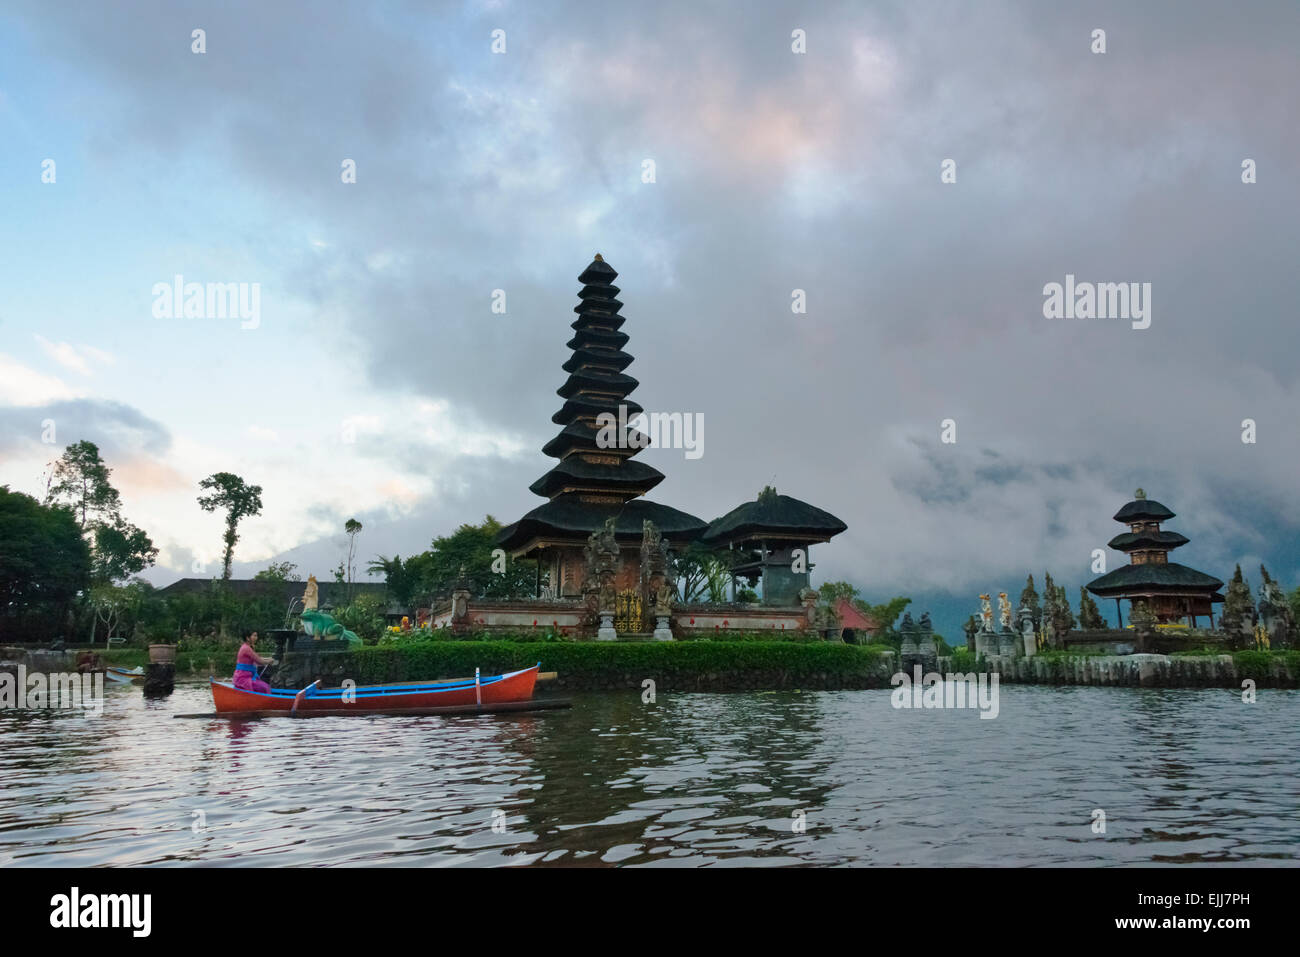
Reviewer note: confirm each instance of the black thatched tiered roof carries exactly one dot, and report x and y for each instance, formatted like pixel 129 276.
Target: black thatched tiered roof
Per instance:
pixel 1163 577
pixel 592 482
pixel 1148 548
pixel 774 516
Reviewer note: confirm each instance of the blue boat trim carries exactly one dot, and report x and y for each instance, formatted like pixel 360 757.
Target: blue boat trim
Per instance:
pixel 377 691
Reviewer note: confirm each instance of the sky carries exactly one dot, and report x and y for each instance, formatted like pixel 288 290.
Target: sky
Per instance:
pixel 378 382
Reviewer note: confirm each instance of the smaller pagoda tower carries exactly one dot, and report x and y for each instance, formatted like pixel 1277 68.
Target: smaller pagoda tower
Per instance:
pixel 1172 591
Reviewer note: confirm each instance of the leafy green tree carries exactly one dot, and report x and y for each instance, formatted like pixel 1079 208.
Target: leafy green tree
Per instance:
pixel 401 580
pixel 116 607
pixel 44 565
pixel 279 572
pixel 121 550
pixel 471 547
pixel 704 572
pixel 1089 614
pixel 240 501
pixel 81 480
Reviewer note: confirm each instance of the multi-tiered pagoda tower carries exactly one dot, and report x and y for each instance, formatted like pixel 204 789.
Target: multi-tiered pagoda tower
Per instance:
pixel 591 483
pixel 1171 590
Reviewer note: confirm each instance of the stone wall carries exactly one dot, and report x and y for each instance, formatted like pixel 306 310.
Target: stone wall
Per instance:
pixel 1134 671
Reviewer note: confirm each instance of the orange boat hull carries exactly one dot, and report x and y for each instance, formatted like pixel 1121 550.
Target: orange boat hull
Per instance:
pixel 496 689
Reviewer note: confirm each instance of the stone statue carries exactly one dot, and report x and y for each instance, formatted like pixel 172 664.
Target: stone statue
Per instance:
pixel 1028 638
pixel 663 599
pixel 986 612
pixel 1274 611
pixel 1004 610
pixel 311 597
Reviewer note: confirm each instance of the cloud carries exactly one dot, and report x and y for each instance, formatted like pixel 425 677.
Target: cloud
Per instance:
pixel 775 171
pixel 118 429
pixel 23 386
pixel 75 358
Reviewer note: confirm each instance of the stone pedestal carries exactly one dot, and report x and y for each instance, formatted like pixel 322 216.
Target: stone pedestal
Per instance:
pixel 662 631
pixel 986 643
pixel 606 631
pixel 159 679
pixel 1008 643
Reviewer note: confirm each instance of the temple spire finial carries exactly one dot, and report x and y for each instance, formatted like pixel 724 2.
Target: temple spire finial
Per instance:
pixel 599 258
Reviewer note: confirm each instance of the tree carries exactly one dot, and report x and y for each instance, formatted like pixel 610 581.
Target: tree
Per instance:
pixel 279 572
pixel 113 604
pixel 1063 619
pixel 80 479
pixel 121 550
pixel 1293 600
pixel 399 578
pixel 884 615
pixel 1089 614
pixel 1238 615
pixel 44 564
pixel 240 501
pixel 1049 612
pixel 1029 599
pixel 704 572
pixel 353 528
pixel 473 548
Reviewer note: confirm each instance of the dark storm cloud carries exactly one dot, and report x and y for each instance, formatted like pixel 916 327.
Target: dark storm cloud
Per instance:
pixel 778 172
pixel 119 430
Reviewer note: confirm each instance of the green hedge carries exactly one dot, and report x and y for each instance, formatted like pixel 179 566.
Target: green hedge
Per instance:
pixel 1259 664
pixel 595 664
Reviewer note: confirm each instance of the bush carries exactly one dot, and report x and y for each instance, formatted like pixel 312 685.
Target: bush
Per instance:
pixel 607 662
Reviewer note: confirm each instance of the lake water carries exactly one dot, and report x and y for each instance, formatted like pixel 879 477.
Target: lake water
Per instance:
pixel 1190 776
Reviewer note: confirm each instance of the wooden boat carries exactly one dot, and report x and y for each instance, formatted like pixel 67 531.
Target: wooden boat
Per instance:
pixel 122 676
pixel 473 692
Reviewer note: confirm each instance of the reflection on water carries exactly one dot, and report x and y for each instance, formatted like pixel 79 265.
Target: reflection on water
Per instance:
pixel 694 779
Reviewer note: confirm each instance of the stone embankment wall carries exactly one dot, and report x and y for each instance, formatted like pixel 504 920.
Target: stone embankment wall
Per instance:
pixel 1144 671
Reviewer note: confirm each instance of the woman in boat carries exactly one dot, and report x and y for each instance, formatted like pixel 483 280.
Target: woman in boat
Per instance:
pixel 246 664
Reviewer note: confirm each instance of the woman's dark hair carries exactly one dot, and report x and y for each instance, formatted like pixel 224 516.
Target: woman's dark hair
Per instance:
pixel 247 633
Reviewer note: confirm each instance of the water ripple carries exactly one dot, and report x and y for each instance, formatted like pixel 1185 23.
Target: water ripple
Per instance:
pixel 693 780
